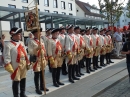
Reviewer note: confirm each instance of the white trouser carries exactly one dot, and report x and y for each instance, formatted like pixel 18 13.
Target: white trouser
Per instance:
pixel 118 48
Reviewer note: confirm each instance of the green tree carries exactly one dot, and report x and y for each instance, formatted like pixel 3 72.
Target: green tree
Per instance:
pixel 128 9
pixel 111 9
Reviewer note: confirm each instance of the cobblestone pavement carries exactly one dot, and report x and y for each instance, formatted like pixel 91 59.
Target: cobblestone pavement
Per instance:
pixel 121 89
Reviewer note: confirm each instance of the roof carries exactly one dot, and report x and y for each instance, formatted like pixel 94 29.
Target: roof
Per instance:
pixel 85 7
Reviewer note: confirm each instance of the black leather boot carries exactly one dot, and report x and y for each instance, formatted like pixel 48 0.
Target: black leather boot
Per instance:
pixel 41 82
pixel 15 86
pixel 90 69
pixel 36 81
pixel 58 76
pixel 109 58
pixel 87 65
pixel 97 63
pixel 22 87
pixel 77 70
pixel 73 72
pixel 81 74
pixel 64 72
pixel 94 63
pixel 70 73
pixel 54 72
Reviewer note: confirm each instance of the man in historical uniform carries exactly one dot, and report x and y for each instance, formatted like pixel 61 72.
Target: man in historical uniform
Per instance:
pixel 103 47
pixel 46 39
pixel 109 46
pixel 37 50
pixel 80 51
pixel 71 48
pixel 62 38
pixel 96 47
pixel 55 57
pixel 88 49
pixel 16 61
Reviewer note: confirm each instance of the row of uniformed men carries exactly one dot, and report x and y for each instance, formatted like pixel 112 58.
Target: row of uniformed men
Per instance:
pixel 56 48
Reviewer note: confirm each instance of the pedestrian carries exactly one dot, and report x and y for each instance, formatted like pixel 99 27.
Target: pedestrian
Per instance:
pixel 37 49
pixel 96 47
pixel 55 57
pixel 45 40
pixel 126 50
pixel 1 50
pixel 88 50
pixel 118 41
pixel 30 36
pixel 16 61
pixel 62 38
pixel 71 48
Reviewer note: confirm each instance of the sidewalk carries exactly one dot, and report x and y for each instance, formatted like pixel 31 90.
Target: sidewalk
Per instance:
pixel 5 82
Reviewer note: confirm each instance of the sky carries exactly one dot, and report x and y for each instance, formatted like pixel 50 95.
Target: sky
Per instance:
pixel 95 2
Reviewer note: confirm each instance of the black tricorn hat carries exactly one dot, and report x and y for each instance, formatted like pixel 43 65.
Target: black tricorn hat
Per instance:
pixel 15 30
pixel 69 27
pixel 55 30
pixel 76 27
pixel 36 30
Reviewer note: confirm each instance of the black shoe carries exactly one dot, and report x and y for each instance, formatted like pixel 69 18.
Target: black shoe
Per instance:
pixel 107 63
pixel 71 80
pixel 43 89
pixel 95 68
pixel 75 78
pixel 91 70
pixel 78 75
pixel 23 95
pixel 55 84
pixel 99 67
pixel 87 71
pixel 64 73
pixel 81 74
pixel 60 83
pixel 111 61
pixel 39 92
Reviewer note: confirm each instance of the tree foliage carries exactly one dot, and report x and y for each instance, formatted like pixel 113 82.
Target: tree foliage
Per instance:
pixel 111 9
pixel 128 9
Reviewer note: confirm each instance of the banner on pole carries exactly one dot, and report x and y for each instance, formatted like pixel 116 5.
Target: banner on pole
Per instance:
pixel 30 19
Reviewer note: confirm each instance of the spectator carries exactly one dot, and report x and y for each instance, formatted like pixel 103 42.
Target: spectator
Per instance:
pixel 126 50
pixel 30 36
pixel 118 42
pixel 1 49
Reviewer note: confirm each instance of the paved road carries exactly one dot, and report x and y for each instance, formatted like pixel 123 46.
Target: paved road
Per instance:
pixel 88 85
pixel 121 89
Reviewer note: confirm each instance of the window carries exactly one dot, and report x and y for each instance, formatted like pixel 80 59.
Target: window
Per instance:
pixel 11 6
pixel 63 13
pixel 24 7
pixel 56 12
pixel 47 11
pixel 62 5
pixel 70 14
pixel 46 2
pixel 122 20
pixel 70 6
pixel 25 1
pixel 55 4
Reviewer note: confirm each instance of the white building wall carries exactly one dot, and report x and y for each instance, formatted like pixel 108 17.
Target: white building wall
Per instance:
pixel 19 4
pixel 79 12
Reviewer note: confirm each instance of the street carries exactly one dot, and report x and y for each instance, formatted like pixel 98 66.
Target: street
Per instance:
pixel 89 85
